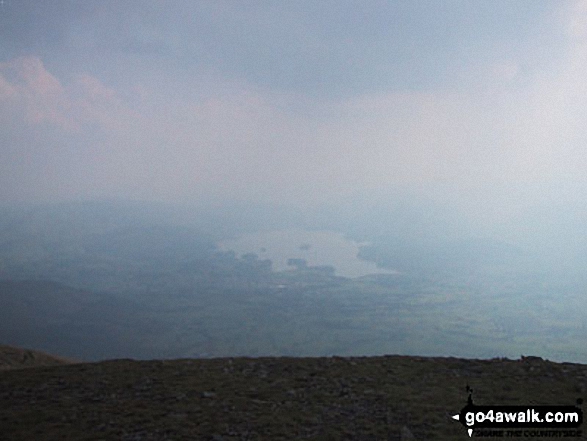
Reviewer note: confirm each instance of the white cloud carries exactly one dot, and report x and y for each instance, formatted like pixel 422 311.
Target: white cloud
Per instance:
pixel 28 87
pixel 577 24
pixel 498 142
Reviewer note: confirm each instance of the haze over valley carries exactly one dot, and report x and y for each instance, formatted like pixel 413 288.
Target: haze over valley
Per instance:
pixel 102 280
pixel 212 179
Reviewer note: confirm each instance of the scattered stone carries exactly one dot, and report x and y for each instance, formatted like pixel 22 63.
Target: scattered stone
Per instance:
pixel 270 398
pixel 406 434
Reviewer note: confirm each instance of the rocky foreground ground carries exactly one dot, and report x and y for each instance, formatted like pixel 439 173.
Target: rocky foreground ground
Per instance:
pixel 370 398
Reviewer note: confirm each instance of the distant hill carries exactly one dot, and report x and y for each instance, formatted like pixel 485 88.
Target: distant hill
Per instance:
pixel 16 358
pixel 394 398
pixel 77 323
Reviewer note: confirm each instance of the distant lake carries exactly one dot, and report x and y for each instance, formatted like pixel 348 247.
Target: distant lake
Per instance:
pixel 316 247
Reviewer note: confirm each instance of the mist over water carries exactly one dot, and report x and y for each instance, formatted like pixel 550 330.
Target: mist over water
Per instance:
pixel 317 248
pixel 162 281
pixel 441 174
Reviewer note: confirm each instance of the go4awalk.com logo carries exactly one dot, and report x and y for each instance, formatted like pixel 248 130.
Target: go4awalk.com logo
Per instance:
pixel 520 421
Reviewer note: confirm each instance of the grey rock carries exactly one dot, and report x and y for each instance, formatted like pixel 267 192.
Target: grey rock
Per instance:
pixel 406 434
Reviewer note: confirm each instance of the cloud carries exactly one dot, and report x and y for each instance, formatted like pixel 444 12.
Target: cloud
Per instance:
pixel 26 86
pixel 7 91
pixel 510 137
pixel 577 24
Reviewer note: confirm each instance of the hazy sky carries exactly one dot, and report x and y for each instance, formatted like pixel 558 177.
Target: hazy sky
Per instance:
pixel 481 104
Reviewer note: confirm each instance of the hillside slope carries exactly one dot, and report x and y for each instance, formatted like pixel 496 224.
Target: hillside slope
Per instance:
pixel 368 398
pixel 16 358
pixel 77 323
